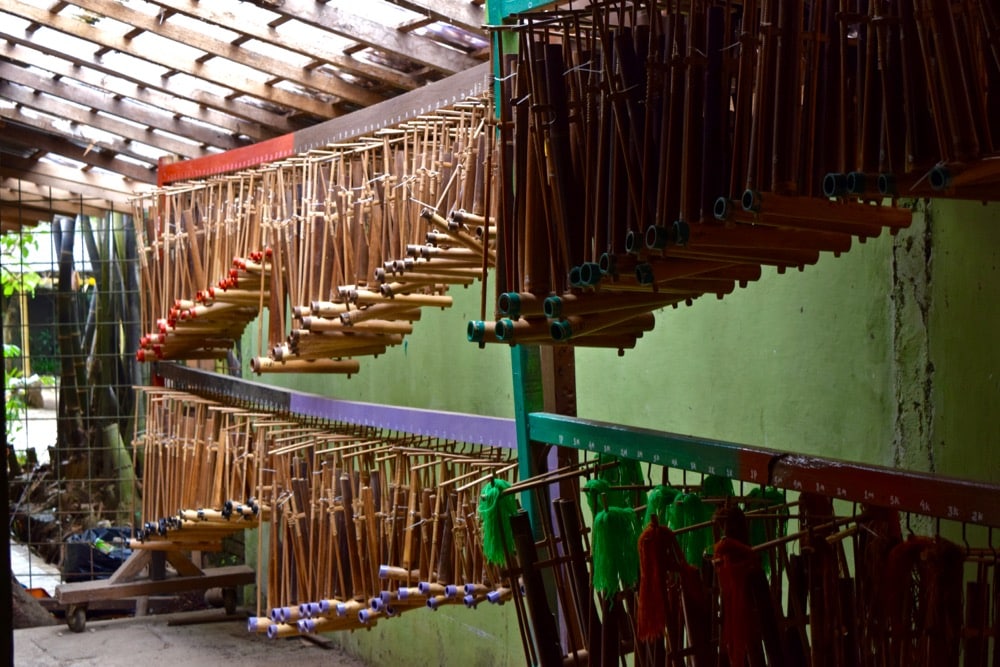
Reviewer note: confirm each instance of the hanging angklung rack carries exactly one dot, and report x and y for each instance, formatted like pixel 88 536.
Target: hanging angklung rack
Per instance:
pixel 371 510
pixel 368 524
pixel 201 472
pixel 703 552
pixel 661 151
pixel 352 238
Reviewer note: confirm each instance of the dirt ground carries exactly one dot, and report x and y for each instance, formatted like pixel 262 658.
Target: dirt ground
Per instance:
pixel 170 639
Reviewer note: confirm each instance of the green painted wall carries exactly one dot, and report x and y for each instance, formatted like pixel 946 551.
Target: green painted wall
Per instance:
pixel 886 355
pixel 965 339
pixel 435 368
pixel 794 361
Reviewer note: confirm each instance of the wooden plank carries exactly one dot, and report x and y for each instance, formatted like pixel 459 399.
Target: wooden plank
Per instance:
pixel 96 100
pixel 132 566
pixel 376 35
pixel 86 591
pixel 70 62
pixel 183 564
pixel 461 13
pixel 211 71
pixel 78 181
pixel 46 175
pixel 217 13
pixel 94 156
pixel 32 200
pixel 234 52
pixel 57 106
pixel 52 127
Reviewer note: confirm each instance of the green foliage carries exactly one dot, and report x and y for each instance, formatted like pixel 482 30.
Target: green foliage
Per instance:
pixel 14 406
pixel 14 249
pixel 44 351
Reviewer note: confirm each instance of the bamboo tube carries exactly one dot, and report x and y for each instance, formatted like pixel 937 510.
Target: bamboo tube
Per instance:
pixel 365 297
pixel 317 324
pixel 266 365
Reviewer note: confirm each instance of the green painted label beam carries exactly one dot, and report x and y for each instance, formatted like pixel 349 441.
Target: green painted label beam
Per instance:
pixel 682 452
pixel 498 10
pixel 906 491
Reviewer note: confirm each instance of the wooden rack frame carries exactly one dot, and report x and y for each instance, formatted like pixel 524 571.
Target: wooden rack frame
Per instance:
pixel 474 429
pixel 931 495
pixel 408 106
pixel 938 496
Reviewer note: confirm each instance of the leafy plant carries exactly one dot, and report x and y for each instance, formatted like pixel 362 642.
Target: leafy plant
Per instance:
pixel 14 406
pixel 14 249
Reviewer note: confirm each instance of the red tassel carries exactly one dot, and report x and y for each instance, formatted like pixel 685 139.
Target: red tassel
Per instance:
pixel 651 615
pixel 734 563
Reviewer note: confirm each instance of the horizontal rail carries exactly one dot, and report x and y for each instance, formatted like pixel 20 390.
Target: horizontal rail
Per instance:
pixel 437 95
pixel 460 427
pixel 907 491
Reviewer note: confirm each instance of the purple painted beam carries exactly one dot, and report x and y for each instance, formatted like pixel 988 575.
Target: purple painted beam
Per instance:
pixel 475 429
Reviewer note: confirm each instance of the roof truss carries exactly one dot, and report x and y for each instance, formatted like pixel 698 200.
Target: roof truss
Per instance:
pixel 94 93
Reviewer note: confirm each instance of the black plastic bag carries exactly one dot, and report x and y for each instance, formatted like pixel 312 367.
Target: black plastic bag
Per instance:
pixel 95 553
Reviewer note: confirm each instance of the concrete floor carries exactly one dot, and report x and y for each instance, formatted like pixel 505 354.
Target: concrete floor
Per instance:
pixel 160 640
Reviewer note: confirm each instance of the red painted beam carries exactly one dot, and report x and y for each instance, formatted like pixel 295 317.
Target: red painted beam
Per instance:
pixel 244 157
pixel 424 100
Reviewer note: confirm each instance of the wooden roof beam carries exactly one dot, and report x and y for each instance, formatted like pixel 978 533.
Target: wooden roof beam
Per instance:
pixel 152 117
pixel 76 181
pixel 375 34
pixel 210 71
pixel 211 13
pixel 460 13
pixel 23 135
pixel 43 124
pixel 222 48
pixel 415 24
pixel 56 107
pixel 263 124
pixel 29 203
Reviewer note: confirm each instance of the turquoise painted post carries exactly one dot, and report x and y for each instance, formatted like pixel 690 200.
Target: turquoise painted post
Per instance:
pixel 526 371
pixel 498 10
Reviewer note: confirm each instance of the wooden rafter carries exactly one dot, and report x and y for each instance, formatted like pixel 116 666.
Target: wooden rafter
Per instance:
pixel 213 70
pixel 90 155
pixel 135 113
pixel 461 13
pixel 237 117
pixel 54 106
pixel 217 47
pixel 89 185
pixel 270 34
pixel 97 82
pixel 376 35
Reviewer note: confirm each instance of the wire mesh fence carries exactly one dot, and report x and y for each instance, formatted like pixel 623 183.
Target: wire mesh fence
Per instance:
pixel 70 331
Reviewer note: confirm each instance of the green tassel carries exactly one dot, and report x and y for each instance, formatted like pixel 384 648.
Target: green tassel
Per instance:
pixel 628 472
pixel 762 498
pixel 689 510
pixel 595 489
pixel 495 511
pixel 615 550
pixel 714 486
pixel 659 503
